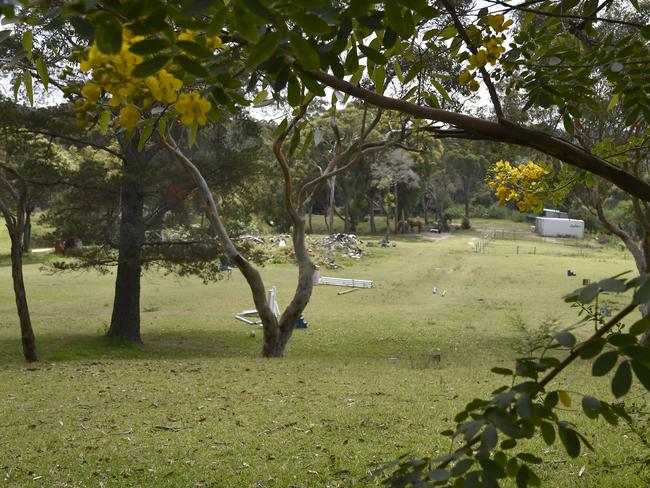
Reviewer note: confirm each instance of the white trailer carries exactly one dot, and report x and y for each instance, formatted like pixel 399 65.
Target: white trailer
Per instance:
pixel 552 227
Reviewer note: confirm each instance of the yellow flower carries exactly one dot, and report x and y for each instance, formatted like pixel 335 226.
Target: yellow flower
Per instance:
pixel 187 35
pixel 91 91
pixel 473 85
pixel 192 108
pixel 498 23
pixel 465 77
pixel 216 42
pixel 115 101
pixel 129 117
pixel 164 86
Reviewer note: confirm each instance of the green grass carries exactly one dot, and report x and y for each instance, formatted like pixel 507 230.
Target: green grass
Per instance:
pixel 196 406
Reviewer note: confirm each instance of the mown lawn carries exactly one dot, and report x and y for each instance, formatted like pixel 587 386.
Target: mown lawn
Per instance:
pixel 196 406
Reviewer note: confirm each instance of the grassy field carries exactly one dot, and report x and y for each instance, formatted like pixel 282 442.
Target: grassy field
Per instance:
pixel 196 406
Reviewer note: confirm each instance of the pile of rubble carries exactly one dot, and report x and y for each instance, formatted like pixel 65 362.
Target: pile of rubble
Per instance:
pixel 348 244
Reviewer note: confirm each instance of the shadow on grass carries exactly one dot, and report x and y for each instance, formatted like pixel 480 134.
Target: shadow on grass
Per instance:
pixel 157 345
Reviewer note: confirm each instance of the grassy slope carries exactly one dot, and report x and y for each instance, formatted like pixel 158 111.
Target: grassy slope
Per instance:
pixel 197 407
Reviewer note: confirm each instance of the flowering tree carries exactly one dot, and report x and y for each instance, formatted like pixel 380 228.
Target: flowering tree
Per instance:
pixel 555 58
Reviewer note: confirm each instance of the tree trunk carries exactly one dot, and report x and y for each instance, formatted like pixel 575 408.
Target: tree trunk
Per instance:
pixel 373 226
pixel 311 210
pixel 331 185
pixel 396 214
pixel 275 344
pixel 27 231
pixel 125 321
pixel 425 209
pixel 26 331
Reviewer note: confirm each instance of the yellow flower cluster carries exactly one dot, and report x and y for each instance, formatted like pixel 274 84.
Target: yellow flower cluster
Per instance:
pixel 113 74
pixel 489 51
pixel 164 86
pixel 498 22
pixel 190 35
pixel 524 184
pixel 192 108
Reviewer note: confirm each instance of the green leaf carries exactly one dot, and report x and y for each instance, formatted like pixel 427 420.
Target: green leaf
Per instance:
pixel 441 90
pixel 461 467
pixel 260 97
pixel 591 406
pixel 489 439
pixel 16 86
pixel 592 349
pixel 351 60
pixel 305 53
pixel 398 71
pixel 612 285
pixel 621 340
pixel 149 46
pixel 640 353
pixel 642 295
pixel 193 8
pixel 259 9
pixel 640 326
pixel 293 92
pixel 548 433
pixel 502 371
pixel 604 363
pixel 622 380
pixel 529 458
pixel 642 372
pixel 589 292
pixel 567 121
pixel 524 406
pixel 570 441
pixel 150 66
pixel 144 136
pixel 191 134
pixel 41 69
pixel 373 55
pixel 108 35
pixel 565 339
pixel 378 77
pixel 4 35
pixel 614 101
pixel 293 143
pixel 28 44
pixel 29 87
pixel 195 49
pixel 522 476
pixel 311 24
pixel 265 48
pixel 281 127
pixel 104 120
pixel 439 475
pixel 393 17
pixel 309 139
pixel 312 85
pixel 191 66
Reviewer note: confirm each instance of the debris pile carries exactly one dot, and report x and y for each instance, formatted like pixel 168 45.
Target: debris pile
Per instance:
pixel 348 244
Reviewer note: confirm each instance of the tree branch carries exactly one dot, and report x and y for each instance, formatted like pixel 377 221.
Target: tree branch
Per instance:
pixel 500 132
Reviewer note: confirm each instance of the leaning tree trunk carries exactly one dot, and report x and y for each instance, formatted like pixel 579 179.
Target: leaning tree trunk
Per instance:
pixel 26 330
pixel 125 320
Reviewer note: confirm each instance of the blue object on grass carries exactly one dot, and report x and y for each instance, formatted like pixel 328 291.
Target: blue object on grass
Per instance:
pixel 300 323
